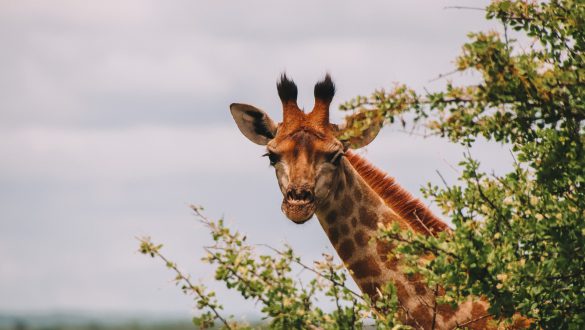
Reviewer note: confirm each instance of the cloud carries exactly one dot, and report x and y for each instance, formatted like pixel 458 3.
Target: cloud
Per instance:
pixel 147 63
pixel 114 116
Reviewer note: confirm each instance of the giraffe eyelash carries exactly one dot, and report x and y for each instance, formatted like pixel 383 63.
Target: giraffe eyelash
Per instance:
pixel 274 158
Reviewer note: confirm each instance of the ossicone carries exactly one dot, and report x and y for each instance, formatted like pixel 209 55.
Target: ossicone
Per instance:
pixel 287 90
pixel 325 90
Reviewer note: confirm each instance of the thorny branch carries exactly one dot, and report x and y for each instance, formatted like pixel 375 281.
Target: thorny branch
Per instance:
pixel 182 277
pixel 465 7
pixel 316 272
pixel 463 325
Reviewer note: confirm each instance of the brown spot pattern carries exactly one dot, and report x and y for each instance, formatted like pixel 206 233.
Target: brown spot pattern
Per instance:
pixel 383 248
pixel 361 238
pixel 446 311
pixel 333 235
pixel 331 217
pixel 420 288
pixel 392 263
pixel 346 249
pixel 423 316
pixel 365 267
pixel 344 228
pixel 354 222
pixel 369 288
pixel 368 218
pixel 417 281
pixel 347 206
pixel 478 310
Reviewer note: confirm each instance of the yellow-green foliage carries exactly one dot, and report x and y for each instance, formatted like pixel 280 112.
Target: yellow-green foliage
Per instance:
pixel 520 237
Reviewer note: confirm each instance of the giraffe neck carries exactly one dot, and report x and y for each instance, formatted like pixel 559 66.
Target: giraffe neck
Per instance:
pixel 351 217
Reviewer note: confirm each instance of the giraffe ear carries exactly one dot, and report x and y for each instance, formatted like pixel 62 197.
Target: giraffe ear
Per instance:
pixel 254 123
pixel 360 129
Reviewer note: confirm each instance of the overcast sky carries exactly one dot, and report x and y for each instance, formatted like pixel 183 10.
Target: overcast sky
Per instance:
pixel 114 117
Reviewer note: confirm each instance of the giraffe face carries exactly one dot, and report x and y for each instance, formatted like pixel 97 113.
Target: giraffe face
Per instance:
pixel 306 165
pixel 304 148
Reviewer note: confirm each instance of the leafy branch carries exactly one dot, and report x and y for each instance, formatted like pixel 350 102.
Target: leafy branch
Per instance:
pixel 205 300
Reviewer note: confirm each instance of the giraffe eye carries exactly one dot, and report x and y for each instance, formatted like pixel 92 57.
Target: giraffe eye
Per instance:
pixel 274 158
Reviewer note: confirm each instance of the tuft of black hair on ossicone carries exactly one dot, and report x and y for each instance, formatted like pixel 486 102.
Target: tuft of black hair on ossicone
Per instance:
pixel 325 89
pixel 287 90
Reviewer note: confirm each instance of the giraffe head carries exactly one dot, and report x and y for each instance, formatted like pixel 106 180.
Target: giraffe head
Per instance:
pixel 305 148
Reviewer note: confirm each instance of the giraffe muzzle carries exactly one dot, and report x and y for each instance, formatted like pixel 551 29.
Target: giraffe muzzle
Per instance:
pixel 298 204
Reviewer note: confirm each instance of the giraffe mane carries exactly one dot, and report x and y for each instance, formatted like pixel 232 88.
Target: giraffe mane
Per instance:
pixel 417 214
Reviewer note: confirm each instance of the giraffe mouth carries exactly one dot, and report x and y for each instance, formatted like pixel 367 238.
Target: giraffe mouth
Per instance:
pixel 298 210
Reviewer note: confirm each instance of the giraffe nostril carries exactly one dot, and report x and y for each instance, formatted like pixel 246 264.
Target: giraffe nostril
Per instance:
pixel 299 195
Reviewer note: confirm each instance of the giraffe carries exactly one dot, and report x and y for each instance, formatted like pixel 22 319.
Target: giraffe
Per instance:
pixel 318 174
